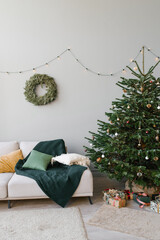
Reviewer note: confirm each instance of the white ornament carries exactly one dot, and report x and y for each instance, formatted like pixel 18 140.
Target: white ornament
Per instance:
pixel 103 156
pixel 139 174
pixel 146 157
pixel 158 107
pixel 91 144
pixel 116 134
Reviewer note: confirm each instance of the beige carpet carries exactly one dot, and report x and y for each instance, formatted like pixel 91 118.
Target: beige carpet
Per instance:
pixel 43 224
pixel 139 223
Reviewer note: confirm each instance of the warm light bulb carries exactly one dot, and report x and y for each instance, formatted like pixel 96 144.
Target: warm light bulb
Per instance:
pixel 34 70
pixel 135 68
pixel 47 65
pixel 58 57
pixel 131 60
pixel 124 71
pixel 157 59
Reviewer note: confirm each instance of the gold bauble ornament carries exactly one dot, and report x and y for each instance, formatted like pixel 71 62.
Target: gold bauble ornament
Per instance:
pixel 108 130
pixel 154 125
pixel 124 90
pixel 155 158
pixel 149 105
pixel 99 160
pixel 142 89
pixel 143 145
pixel 111 122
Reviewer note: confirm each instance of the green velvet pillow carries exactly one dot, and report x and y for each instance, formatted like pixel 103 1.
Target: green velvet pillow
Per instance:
pixel 38 160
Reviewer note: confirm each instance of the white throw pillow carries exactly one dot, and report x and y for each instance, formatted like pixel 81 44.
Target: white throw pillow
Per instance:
pixel 71 158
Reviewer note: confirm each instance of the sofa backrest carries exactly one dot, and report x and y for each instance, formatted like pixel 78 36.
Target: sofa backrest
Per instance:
pixel 27 147
pixel 8 147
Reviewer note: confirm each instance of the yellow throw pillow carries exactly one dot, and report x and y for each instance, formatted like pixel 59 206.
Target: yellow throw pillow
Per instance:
pixel 8 161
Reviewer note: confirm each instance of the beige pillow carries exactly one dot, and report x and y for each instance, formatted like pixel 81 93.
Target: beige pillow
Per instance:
pixel 8 161
pixel 71 158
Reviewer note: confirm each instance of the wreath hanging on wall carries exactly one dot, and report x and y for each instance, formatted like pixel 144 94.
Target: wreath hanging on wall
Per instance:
pixel 31 85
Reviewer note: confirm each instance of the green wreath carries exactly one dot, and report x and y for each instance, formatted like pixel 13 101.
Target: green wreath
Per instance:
pixel 33 82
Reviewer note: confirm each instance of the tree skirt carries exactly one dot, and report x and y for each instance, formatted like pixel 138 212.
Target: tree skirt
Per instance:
pixel 43 224
pixel 138 223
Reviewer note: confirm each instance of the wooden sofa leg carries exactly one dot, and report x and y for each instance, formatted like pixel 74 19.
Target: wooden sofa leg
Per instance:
pixel 9 204
pixel 90 200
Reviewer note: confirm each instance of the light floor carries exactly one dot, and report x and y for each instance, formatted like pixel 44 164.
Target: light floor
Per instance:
pixel 87 210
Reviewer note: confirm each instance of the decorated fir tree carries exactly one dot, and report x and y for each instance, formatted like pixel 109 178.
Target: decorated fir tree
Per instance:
pixel 128 147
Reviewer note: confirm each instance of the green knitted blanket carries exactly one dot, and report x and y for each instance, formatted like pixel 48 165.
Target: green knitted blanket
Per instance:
pixel 60 181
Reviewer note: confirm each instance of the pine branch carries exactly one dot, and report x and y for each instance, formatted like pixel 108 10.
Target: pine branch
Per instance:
pixel 139 68
pixel 134 73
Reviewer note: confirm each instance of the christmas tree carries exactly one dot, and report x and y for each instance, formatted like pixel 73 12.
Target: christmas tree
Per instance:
pixel 128 146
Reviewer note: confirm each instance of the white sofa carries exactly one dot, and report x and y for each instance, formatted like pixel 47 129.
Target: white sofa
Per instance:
pixel 16 187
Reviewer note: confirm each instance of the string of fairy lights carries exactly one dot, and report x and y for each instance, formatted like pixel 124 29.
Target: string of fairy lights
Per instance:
pixel 69 50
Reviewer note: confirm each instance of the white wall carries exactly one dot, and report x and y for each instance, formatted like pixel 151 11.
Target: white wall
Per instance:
pixel 104 34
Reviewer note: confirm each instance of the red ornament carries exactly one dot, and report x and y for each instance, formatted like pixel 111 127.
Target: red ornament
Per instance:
pixel 146 131
pixel 127 121
pixel 151 81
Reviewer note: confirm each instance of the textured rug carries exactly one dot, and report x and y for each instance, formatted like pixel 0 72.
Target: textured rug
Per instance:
pixel 43 224
pixel 139 223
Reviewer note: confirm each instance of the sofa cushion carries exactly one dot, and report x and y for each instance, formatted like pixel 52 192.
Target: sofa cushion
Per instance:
pixel 7 147
pixel 24 187
pixel 27 147
pixel 38 160
pixel 8 161
pixel 4 179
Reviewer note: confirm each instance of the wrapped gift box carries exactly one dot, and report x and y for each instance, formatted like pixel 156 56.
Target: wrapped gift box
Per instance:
pixel 155 204
pixel 112 193
pixel 142 199
pixel 117 202
pixel 115 197
pixel 109 193
pixel 129 195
